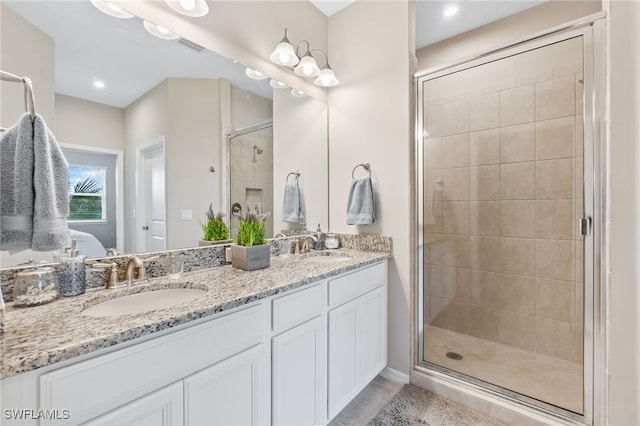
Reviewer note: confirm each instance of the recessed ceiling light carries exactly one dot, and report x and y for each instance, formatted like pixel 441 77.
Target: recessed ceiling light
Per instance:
pixel 450 11
pixel 159 31
pixel 98 84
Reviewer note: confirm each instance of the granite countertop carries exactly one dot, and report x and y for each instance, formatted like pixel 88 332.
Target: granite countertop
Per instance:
pixel 38 336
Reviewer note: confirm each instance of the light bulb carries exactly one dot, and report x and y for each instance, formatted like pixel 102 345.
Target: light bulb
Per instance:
pixel 307 67
pixel 450 11
pixel 284 57
pixel 307 70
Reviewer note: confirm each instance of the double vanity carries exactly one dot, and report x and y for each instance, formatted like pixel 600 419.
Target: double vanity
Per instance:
pixel 292 344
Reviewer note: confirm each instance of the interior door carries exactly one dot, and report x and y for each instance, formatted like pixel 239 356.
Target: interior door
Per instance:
pixel 151 198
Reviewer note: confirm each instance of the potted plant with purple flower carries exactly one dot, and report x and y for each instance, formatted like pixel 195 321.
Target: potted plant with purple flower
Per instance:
pixel 214 230
pixel 250 250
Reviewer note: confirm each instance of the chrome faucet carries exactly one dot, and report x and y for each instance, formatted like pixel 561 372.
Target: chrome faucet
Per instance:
pixel 304 243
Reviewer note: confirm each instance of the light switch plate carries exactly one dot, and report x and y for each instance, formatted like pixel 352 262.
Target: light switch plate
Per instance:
pixel 186 215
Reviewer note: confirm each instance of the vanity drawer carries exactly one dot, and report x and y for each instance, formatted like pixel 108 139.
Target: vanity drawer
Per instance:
pixel 350 286
pixel 296 308
pixel 96 386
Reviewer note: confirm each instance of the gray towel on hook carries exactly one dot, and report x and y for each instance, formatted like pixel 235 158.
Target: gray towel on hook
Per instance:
pixel 361 204
pixel 16 186
pixel 293 210
pixel 51 183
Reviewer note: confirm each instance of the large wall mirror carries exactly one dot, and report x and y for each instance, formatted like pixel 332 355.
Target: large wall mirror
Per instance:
pixel 158 130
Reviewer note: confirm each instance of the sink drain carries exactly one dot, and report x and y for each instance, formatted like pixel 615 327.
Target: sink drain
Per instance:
pixel 454 355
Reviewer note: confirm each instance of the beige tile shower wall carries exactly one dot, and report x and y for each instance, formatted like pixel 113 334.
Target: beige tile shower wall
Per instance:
pixel 503 191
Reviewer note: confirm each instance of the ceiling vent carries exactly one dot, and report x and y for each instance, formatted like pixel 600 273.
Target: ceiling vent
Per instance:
pixel 190 45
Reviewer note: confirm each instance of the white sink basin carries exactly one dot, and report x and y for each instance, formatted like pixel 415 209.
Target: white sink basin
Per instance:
pixel 326 259
pixel 143 302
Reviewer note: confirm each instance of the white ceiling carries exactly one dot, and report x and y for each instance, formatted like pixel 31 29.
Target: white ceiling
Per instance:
pixel 432 26
pixel 91 45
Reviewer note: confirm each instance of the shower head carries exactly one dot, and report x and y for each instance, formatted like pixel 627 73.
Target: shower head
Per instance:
pixel 257 150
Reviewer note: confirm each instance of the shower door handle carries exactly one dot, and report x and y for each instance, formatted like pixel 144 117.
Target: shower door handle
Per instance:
pixel 585 226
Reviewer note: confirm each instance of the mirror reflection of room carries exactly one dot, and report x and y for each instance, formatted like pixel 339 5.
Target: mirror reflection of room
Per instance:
pixel 144 123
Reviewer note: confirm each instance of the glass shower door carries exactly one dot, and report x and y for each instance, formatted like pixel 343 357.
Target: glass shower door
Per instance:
pixel 501 173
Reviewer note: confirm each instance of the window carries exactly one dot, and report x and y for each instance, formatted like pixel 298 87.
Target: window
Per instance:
pixel 87 194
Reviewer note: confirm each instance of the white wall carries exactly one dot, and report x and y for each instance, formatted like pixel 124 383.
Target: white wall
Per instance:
pixel 623 331
pixel 82 122
pixel 370 120
pixel 145 120
pixel 18 36
pixel 187 113
pixel 192 147
pixel 300 144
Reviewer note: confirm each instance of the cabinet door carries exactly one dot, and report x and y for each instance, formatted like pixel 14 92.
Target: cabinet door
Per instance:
pixel 299 375
pixel 162 407
pixel 231 392
pixel 343 356
pixel 373 334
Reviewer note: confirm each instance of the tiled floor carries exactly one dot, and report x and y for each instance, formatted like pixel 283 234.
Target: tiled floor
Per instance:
pixel 549 379
pixel 366 405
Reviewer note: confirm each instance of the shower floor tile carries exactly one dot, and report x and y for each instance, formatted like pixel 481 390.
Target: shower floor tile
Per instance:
pixel 552 380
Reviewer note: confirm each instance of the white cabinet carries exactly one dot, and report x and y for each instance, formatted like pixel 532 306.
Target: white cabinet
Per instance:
pixel 357 334
pixel 231 392
pixel 109 382
pixel 299 374
pixel 160 408
pixel 296 358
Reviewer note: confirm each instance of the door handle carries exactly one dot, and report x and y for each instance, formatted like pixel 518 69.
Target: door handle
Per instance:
pixel 145 228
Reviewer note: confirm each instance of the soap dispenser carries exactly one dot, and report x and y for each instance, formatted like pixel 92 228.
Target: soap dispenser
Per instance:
pixel 72 280
pixel 319 244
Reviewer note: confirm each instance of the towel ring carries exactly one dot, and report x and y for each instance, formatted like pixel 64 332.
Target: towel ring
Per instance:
pixel 29 97
pixel 296 174
pixel 365 166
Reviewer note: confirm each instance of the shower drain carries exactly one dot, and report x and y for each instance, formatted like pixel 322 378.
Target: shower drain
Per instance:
pixel 454 355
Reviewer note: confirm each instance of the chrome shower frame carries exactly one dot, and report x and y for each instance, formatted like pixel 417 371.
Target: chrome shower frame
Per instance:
pixel 592 31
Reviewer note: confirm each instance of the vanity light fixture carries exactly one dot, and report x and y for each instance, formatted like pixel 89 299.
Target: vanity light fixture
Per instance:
pixel 111 9
pixel 159 31
pixel 298 93
pixel 98 84
pixel 192 8
pixel 277 84
pixel 284 54
pixel 326 77
pixel 305 65
pixel 254 74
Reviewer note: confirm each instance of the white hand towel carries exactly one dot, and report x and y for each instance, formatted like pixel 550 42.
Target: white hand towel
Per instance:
pixel 50 181
pixel 16 186
pixel 293 210
pixel 361 204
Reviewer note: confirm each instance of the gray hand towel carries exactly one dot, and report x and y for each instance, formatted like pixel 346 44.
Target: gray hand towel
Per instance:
pixel 50 182
pixel 361 205
pixel 293 210
pixel 16 186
